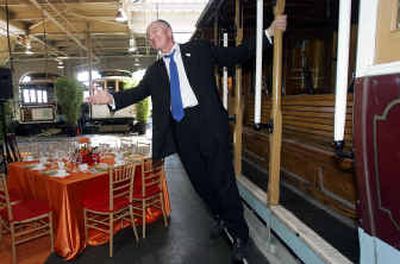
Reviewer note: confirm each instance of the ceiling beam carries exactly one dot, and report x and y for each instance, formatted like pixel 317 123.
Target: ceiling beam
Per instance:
pixel 79 26
pixel 17 24
pixel 18 3
pixel 23 27
pixel 59 25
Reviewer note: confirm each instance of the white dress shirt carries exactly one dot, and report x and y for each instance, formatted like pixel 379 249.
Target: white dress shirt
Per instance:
pixel 188 97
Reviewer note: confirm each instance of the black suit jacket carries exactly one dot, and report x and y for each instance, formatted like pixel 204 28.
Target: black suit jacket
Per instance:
pixel 199 58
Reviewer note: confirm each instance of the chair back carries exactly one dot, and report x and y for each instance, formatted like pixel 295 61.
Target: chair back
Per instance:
pixel 5 203
pixel 12 151
pixel 152 173
pixel 3 159
pixel 121 183
pixel 143 147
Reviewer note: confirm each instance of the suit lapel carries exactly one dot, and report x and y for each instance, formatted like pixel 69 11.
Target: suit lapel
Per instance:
pixel 189 64
pixel 165 91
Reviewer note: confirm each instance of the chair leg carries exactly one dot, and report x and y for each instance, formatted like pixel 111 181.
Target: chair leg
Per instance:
pixel 163 210
pixel 133 224
pixel 51 232
pixel 86 225
pixel 13 246
pixel 143 218
pixel 1 229
pixel 111 217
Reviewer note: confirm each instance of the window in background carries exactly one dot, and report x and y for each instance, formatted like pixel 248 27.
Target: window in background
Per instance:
pixel 388 32
pixel 40 96
pixel 32 95
pixel 45 99
pixel 26 96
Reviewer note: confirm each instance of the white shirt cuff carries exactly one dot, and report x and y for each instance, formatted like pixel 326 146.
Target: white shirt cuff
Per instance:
pixel 268 36
pixel 112 104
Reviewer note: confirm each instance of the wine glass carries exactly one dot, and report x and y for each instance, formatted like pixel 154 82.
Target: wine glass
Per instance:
pixel 60 165
pixel 42 159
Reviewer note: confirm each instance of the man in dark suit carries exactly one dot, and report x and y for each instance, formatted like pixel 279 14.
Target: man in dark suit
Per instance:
pixel 189 118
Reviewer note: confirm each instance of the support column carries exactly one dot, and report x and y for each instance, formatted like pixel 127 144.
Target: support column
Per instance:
pixel 237 136
pixel 275 139
pixel 90 63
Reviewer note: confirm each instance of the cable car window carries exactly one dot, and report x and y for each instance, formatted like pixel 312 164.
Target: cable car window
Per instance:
pixel 398 14
pixel 26 96
pixel 45 96
pixel 388 32
pixel 40 96
pixel 32 95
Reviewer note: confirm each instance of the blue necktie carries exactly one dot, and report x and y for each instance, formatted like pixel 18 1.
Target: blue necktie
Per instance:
pixel 176 99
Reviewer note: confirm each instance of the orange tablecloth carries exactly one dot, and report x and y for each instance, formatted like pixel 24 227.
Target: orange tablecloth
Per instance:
pixel 65 196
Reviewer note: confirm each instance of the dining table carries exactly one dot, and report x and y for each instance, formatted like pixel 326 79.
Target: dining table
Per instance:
pixel 65 195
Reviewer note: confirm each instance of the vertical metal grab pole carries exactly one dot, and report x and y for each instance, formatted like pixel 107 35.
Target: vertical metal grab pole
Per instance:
pixel 342 69
pixel 275 139
pixel 259 48
pixel 90 63
pixel 237 135
pixel 225 76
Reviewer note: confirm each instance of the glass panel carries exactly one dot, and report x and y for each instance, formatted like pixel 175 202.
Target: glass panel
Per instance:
pixel 26 96
pixel 39 96
pixel 32 93
pixel 398 14
pixel 45 96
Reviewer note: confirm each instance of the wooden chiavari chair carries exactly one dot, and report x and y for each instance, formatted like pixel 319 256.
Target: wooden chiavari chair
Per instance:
pixel 3 159
pixel 101 213
pixel 148 191
pixel 26 220
pixel 12 151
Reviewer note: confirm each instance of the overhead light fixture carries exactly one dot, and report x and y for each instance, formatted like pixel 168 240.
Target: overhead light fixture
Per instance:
pixel 28 51
pixel 121 17
pixel 28 48
pixel 60 64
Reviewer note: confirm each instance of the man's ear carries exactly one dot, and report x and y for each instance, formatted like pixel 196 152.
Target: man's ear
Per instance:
pixel 170 33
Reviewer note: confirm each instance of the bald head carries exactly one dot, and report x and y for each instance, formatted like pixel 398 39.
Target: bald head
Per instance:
pixel 160 22
pixel 159 34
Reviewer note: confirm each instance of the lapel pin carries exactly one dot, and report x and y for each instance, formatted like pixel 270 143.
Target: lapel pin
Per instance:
pixel 188 54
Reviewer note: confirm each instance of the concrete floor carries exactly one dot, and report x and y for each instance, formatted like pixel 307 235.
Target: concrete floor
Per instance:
pixel 186 240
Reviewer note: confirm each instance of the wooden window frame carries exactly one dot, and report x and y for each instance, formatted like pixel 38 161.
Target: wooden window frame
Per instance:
pixel 388 32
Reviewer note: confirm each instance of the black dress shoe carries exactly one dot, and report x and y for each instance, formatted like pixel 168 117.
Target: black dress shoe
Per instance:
pixel 239 250
pixel 217 230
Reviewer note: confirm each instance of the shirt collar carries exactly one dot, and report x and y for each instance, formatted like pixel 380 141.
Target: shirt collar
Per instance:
pixel 175 47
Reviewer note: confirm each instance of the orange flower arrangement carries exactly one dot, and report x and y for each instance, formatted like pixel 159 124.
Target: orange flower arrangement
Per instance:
pixel 84 140
pixel 87 153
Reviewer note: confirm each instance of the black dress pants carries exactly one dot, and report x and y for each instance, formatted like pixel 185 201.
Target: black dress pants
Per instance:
pixel 207 160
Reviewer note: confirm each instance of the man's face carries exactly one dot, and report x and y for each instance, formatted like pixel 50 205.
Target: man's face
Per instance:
pixel 159 36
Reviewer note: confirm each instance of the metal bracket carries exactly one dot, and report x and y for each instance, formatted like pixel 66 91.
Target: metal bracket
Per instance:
pixel 339 145
pixel 232 118
pixel 269 126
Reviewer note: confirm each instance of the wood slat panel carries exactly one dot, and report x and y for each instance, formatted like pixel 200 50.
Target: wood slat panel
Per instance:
pixel 309 167
pixel 313 120
pixel 310 116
